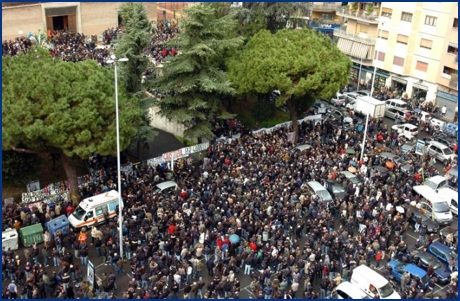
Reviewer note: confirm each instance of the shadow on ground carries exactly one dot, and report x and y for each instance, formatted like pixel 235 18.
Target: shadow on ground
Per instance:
pixel 164 142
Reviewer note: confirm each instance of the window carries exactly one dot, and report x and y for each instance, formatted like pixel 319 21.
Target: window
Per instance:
pixel 421 66
pixel 407 17
pixel 398 61
pixel 89 215
pixel 455 23
pixel 452 49
pixel 430 20
pixel 424 43
pixel 384 34
pixel 363 28
pixel 448 71
pixel 387 12
pixel 326 17
pixel 380 56
pixel 100 210
pixel 402 39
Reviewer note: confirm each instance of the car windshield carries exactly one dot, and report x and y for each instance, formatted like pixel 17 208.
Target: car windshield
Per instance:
pixel 434 262
pixel 448 151
pixel 324 195
pixel 79 213
pixel 425 278
pixel 441 207
pixel 386 290
pixel 338 189
pixel 453 254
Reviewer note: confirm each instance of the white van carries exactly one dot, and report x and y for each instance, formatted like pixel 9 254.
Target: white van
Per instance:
pixel 346 290
pixel 451 196
pixel 433 205
pixel 396 103
pixel 168 185
pixel 10 239
pixel 372 283
pixel 407 130
pixel 91 210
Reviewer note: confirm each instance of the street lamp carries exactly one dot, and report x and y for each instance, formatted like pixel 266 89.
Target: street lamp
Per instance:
pixel 381 21
pixel 115 61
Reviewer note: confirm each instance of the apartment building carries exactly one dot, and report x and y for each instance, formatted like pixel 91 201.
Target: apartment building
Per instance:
pixel 414 46
pixel 90 18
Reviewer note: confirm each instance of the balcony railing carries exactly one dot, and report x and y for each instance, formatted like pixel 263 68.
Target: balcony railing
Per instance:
pixel 344 34
pixel 453 84
pixel 326 7
pixel 358 15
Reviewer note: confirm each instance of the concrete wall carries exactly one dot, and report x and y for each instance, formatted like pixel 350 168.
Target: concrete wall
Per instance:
pixel 98 16
pixel 165 124
pixel 20 20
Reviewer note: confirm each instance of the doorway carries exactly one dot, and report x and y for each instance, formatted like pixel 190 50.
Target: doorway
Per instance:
pixel 60 23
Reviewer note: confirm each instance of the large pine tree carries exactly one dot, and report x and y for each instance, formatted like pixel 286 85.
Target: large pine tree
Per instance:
pixel 194 81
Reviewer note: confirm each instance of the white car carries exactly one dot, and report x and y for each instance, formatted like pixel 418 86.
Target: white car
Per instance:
pixel 339 100
pixel 407 130
pixel 351 105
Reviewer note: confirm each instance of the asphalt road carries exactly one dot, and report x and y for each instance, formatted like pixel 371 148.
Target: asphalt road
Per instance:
pixel 122 281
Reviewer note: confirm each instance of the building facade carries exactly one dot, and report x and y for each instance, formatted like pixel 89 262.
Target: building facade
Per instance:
pixel 89 18
pixel 414 46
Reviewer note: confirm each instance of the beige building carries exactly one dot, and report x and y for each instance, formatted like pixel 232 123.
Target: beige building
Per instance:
pixel 414 46
pixel 90 18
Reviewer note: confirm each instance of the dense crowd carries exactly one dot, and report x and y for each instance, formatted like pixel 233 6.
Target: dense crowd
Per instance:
pixel 75 47
pixel 290 242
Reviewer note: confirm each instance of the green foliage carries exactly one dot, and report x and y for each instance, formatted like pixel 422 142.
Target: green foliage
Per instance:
pixel 19 168
pixel 194 81
pixel 136 37
pixel 279 117
pixel 56 106
pixel 263 110
pixel 296 62
pixel 276 13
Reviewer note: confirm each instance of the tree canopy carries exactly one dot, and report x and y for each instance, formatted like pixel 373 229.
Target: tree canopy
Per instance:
pixel 52 106
pixel 298 63
pixel 193 82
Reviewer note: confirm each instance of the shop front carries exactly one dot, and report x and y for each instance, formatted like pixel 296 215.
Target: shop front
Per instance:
pixel 364 74
pixel 451 103
pixel 419 92
pixel 398 86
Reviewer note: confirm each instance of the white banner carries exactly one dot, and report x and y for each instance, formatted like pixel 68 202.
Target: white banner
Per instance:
pixel 177 154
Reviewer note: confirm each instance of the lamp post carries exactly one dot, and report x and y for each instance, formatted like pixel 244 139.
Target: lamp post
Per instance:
pixel 381 21
pixel 359 73
pixel 115 61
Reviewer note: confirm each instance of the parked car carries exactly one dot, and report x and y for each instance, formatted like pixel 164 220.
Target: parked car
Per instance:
pixel 451 129
pixel 399 268
pixel 407 130
pixel 431 226
pixel 443 253
pixel 437 125
pixel 450 142
pixel 395 113
pixel 351 177
pixel 389 156
pixel 424 259
pixel 351 95
pixel 449 230
pixel 336 189
pixel 364 92
pixel 441 152
pixel 351 105
pixel 408 148
pixel 339 100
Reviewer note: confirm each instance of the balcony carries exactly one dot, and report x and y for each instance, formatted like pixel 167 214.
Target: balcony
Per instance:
pixel 340 33
pixel 326 7
pixel 453 84
pixel 357 15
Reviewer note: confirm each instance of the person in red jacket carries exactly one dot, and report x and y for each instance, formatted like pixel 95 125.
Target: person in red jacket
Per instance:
pixel 69 210
pixel 171 229
pixel 253 246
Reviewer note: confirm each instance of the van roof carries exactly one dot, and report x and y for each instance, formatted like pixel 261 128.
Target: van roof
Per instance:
pixel 371 100
pixel 352 290
pixel 108 196
pixel 440 246
pixel 396 100
pixel 436 179
pixel 166 185
pixel 448 192
pixel 428 193
pixel 437 144
pixel 369 273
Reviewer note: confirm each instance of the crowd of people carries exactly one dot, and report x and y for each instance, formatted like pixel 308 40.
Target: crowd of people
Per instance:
pixel 245 211
pixel 75 47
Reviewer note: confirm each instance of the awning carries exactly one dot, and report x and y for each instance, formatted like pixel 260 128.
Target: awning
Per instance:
pixel 344 45
pixel 359 50
pixel 421 87
pixel 399 80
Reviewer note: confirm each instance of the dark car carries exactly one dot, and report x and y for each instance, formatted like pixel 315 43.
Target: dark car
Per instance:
pixel 448 230
pixel 389 156
pixel 443 253
pixel 336 189
pixel 441 271
pixel 431 226
pixel 408 147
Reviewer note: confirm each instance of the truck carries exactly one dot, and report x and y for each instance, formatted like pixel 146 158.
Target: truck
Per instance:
pixel 367 105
